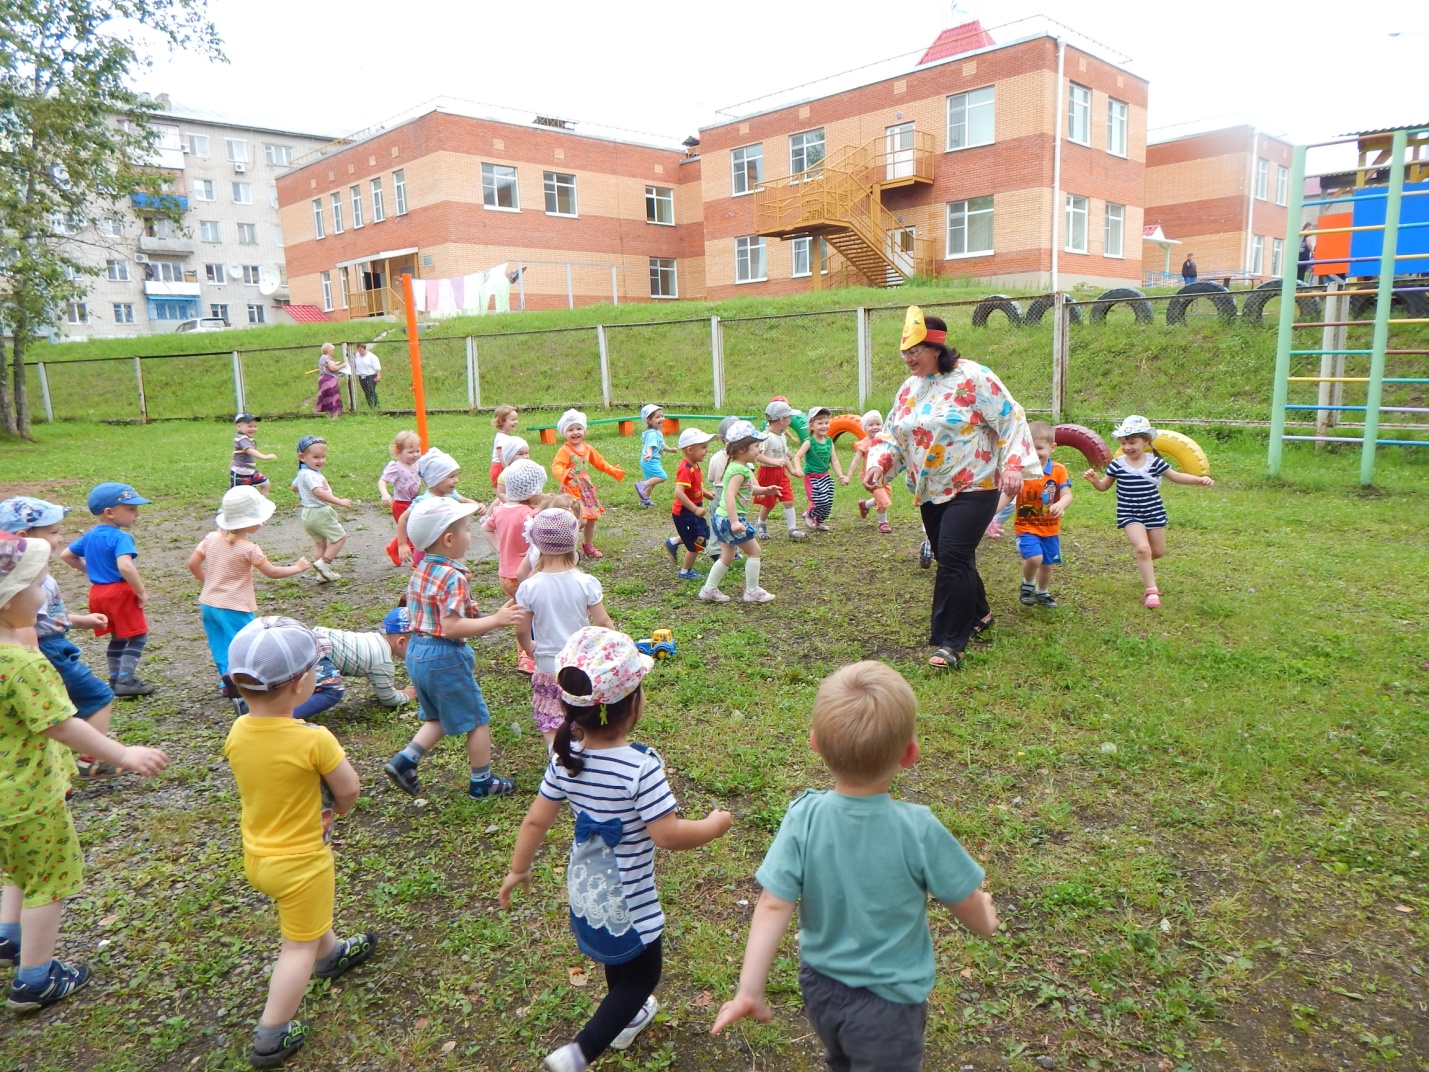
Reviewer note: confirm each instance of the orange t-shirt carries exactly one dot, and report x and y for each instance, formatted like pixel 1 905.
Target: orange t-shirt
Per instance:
pixel 1035 499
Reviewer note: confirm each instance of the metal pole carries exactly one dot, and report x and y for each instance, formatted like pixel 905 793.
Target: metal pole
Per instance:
pixel 865 362
pixel 1327 360
pixel 604 349
pixel 1059 101
pixel 351 393
pixel 717 361
pixel 614 287
pixel 521 284
pixel 1383 300
pixel 139 382
pixel 570 292
pixel 1286 339
pixel 414 351
pixel 239 406
pixel 45 392
pixel 473 382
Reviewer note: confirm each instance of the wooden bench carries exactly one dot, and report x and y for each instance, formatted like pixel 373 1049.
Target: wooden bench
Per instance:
pixel 671 424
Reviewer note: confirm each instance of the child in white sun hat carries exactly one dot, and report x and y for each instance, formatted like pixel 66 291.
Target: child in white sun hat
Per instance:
pixel 730 522
pixel 623 810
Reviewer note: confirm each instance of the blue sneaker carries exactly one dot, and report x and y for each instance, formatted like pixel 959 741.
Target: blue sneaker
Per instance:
pixel 672 548
pixel 9 953
pixel 62 981
pixel 495 786
pixel 403 773
pixel 688 575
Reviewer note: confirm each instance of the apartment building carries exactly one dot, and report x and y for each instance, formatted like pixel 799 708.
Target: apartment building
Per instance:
pixel 1223 195
pixel 955 168
pixel 223 258
pixel 578 217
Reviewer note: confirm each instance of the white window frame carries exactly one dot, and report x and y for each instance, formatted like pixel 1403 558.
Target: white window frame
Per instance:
pixel 1118 118
pixel 252 275
pixel 1077 208
pixel 970 212
pixel 379 205
pixel 203 190
pixel 278 155
pixel 965 111
pixel 655 198
pixel 552 185
pixel 220 310
pixel 1282 185
pixel 1079 113
pixel 1277 257
pixel 252 229
pixel 325 280
pixel 748 248
pixel 1257 255
pixel 491 191
pixel 217 227
pixel 197 145
pixel 237 149
pixel 1262 179
pixel 355 194
pixel 319 229
pixel 124 312
pixel 164 272
pixel 800 251
pixel 336 199
pixel 215 275
pixel 399 190
pixel 243 193
pixel 1115 214
pixel 110 226
pixel 77 313
pixel 740 159
pixel 799 146
pixel 278 235
pixel 117 269
pixel 257 313
pixel 659 266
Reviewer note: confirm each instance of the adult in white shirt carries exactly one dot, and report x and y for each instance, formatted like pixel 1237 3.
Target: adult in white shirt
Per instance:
pixel 368 371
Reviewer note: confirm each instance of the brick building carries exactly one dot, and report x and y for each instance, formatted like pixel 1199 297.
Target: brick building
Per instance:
pixel 1223 194
pixel 445 195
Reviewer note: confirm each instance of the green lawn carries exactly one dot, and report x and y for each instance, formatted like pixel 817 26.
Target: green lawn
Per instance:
pixel 1204 826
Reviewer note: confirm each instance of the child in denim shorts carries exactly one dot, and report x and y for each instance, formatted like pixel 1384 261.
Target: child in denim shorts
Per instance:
pixel 439 662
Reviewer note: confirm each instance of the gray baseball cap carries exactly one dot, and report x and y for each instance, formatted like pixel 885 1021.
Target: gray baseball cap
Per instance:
pixel 272 651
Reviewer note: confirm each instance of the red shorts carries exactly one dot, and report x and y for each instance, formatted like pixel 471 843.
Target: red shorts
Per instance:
pixel 120 603
pixel 496 470
pixel 774 476
pixel 399 507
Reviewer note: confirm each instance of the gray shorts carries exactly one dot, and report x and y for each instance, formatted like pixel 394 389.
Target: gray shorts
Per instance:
pixel 861 1031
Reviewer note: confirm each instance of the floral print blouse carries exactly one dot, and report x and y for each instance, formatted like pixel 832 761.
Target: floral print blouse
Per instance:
pixel 952 433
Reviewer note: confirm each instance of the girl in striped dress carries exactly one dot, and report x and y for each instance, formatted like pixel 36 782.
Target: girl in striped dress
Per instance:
pixel 1140 513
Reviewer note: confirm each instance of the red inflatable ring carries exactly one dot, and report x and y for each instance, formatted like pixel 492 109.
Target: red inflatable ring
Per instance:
pixel 1078 437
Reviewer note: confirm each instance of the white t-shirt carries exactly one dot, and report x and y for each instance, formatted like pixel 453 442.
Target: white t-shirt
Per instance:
pixel 365 364
pixel 501 440
pixel 559 604
pixel 305 482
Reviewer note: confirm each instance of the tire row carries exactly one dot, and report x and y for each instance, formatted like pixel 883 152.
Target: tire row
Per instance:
pixel 1310 306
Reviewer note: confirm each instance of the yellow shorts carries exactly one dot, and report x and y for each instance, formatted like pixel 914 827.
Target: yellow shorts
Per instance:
pixel 41 855
pixel 303 887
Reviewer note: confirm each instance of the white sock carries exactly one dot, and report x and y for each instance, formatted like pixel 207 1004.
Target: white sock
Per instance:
pixel 882 516
pixel 751 573
pixel 717 572
pixel 1040 590
pixel 789 517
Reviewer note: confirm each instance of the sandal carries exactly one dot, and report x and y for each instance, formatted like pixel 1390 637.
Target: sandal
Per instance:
pixel 951 660
pixel 589 551
pixel 884 526
pixel 1153 598
pixel 981 627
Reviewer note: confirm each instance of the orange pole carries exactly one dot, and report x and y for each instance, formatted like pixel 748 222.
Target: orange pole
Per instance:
pixel 414 347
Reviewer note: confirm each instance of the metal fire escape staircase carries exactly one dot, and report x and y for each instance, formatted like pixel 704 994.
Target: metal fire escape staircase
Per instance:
pixel 840 200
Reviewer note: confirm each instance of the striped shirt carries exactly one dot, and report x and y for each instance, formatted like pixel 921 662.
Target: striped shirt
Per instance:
pixel 228 571
pixel 626 783
pixel 365 655
pixel 1138 492
pixel 51 619
pixel 438 588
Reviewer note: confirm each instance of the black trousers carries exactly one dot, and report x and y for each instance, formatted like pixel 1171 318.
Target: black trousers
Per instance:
pixel 369 388
pixel 628 985
pixel 954 529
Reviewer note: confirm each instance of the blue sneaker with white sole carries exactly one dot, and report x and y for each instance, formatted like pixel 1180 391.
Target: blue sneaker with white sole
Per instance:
pixel 61 981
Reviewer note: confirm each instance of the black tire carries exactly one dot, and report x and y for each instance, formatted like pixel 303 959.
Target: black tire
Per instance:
pixel 1123 296
pixel 1040 307
pixel 1218 296
pixel 990 305
pixel 1309 307
pixel 1412 304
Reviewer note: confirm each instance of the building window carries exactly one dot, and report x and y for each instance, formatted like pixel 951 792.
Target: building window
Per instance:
pixel 747 167
pixel 1282 184
pixel 208 231
pixel 237 149
pixel 662 278
pixel 118 270
pixel 278 155
pixel 318 231
pixel 164 272
pixel 196 145
pixel 172 308
pixel 970 227
pixel 356 192
pixel 1277 257
pixel 498 187
pixel 110 226
pixel 806 153
pixel 1114 235
pixel 257 314
pixel 277 234
pixel 251 274
pixel 1076 224
pixel 215 274
pixel 749 260
pixel 379 210
pixel 399 191
pixel 77 312
pixel 560 193
pixel 1262 178
pixel 242 193
pixel 203 190
pixel 1116 113
pixel 123 312
pixel 1257 254
pixel 799 248
pixel 1079 113
pixel 219 310
pixel 659 205
pixel 970 118
pixel 247 234
pixel 337 213
pixel 326 278
pixel 272 197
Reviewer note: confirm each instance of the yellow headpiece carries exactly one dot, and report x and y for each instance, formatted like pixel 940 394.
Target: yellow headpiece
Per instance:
pixel 914 330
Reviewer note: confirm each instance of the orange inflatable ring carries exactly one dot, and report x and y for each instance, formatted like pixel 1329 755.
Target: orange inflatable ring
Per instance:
pixel 846 422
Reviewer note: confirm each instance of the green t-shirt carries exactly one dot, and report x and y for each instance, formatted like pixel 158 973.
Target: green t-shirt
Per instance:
pixel 819 458
pixel 744 495
pixel 862 870
pixel 34 770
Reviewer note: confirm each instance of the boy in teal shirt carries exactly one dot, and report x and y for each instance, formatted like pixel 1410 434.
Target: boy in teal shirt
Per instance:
pixel 860 866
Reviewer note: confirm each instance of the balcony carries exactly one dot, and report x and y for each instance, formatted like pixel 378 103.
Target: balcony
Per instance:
pixel 155 288
pixel 159 202
pixel 174 247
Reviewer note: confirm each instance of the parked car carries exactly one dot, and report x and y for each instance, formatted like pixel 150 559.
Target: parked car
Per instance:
pixel 204 323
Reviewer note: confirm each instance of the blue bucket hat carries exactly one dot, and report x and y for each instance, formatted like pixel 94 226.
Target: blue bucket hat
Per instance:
pixel 24 512
pixel 397 621
pixel 111 494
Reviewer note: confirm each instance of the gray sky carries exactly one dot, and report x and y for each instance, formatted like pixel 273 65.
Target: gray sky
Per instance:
pixel 665 68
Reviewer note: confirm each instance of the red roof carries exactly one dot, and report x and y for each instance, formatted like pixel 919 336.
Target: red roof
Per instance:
pixel 306 314
pixel 959 39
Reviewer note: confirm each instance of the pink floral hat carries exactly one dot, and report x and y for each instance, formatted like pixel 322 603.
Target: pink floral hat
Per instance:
pixel 611 661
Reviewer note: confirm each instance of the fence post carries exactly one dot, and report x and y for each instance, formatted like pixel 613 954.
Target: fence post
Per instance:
pixel 139 382
pixel 521 283
pixel 614 287
pixel 239 402
pixel 570 292
pixel 604 363
pixel 865 357
pixel 473 372
pixel 351 387
pixel 1059 355
pixel 45 392
pixel 717 361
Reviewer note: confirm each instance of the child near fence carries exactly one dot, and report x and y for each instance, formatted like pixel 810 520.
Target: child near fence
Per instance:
pixel 652 450
pixel 816 456
pixel 241 469
pixel 506 524
pixel 504 420
pixel 881 498
pixel 320 520
pixel 572 467
pixel 400 483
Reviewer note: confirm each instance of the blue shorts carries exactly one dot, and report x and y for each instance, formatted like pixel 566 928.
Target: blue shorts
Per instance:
pixel 654 469
pixel 86 690
pixel 726 534
pixel 694 531
pixel 444 674
pixel 1048 548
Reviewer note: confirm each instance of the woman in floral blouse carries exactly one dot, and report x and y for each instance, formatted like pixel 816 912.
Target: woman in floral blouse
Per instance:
pixel 959 437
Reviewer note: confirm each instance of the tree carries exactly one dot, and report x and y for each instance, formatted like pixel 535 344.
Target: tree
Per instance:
pixel 74 139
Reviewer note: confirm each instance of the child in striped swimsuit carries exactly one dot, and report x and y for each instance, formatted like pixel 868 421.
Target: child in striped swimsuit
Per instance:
pixel 1140 513
pixel 816 457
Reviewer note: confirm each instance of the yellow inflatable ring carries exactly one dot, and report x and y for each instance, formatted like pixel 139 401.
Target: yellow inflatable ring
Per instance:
pixel 846 422
pixel 1181 449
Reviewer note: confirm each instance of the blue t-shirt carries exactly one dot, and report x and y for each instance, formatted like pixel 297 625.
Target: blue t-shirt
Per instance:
pixel 101 548
pixel 652 443
pixel 862 870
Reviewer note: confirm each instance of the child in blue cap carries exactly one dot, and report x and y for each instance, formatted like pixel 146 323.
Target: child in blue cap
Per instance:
pixel 106 554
